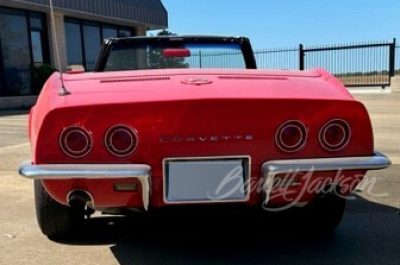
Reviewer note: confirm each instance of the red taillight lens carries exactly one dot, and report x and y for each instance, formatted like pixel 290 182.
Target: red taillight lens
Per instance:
pixel 335 135
pixel 76 142
pixel 121 141
pixel 291 136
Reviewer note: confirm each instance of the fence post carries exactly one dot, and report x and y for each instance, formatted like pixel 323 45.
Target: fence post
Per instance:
pixel 392 58
pixel 201 60
pixel 301 56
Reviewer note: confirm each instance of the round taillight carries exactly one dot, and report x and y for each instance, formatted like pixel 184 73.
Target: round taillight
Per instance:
pixel 291 136
pixel 76 142
pixel 121 141
pixel 335 135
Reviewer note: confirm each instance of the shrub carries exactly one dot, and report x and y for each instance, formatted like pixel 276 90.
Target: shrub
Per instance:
pixel 39 76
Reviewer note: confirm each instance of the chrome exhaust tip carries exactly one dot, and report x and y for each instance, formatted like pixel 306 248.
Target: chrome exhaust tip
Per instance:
pixel 79 199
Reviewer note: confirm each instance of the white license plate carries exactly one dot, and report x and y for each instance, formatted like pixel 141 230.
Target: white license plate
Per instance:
pixel 206 180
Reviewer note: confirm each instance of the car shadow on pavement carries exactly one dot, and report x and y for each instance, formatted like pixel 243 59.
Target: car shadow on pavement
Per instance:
pixel 369 234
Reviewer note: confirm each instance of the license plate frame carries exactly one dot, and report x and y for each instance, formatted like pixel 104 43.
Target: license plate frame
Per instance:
pixel 245 161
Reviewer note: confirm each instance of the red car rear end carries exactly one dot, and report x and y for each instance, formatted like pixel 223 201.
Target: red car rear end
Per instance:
pixel 157 138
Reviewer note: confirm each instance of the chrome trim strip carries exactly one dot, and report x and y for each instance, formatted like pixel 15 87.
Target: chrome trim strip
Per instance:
pixel 93 172
pixel 213 158
pixel 272 168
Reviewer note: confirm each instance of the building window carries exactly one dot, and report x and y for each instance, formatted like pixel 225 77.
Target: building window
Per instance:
pixel 92 42
pixel 37 48
pixel 125 33
pixel 38 39
pixel 110 32
pixel 74 44
pixel 23 44
pixel 84 39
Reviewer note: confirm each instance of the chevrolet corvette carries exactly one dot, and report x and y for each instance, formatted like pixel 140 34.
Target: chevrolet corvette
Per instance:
pixel 172 121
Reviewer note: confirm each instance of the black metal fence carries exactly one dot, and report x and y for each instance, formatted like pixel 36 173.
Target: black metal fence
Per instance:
pixel 369 64
pixel 356 65
pixel 397 60
pixel 281 58
pixel 216 60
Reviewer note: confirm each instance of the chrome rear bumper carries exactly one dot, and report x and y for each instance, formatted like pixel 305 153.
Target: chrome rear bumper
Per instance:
pixel 142 172
pixel 91 172
pixel 273 168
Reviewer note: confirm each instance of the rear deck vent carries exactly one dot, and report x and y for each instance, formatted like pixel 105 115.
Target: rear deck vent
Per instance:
pixel 128 80
pixel 267 78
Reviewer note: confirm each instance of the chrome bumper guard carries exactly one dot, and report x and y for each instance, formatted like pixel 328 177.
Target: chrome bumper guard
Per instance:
pixel 90 172
pixel 273 168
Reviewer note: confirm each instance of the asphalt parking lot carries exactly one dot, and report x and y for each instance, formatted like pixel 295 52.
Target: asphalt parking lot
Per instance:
pixel 369 233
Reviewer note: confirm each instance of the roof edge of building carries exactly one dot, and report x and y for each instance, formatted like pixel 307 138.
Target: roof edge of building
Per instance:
pixel 37 5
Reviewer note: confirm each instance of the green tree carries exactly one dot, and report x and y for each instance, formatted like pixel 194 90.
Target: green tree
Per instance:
pixel 158 61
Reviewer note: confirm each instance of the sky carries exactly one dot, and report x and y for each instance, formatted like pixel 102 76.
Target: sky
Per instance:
pixel 287 23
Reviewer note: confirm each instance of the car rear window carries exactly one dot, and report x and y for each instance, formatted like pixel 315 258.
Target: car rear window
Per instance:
pixel 144 57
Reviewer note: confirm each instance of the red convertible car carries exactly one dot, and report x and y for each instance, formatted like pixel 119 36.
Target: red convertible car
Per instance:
pixel 169 121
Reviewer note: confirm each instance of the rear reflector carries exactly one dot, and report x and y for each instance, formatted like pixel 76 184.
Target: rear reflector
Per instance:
pixel 132 187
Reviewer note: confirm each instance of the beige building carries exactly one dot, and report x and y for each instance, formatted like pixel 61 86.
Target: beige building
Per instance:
pixel 26 39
